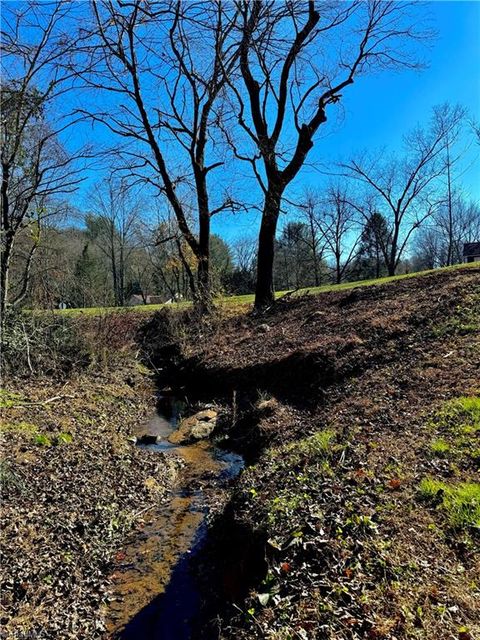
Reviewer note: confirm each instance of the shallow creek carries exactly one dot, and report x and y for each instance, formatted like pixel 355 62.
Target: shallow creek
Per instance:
pixel 155 592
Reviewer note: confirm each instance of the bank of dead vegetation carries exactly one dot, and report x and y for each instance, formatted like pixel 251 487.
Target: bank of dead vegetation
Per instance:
pixel 358 413
pixel 73 484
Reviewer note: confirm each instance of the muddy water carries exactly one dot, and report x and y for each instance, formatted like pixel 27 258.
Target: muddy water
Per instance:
pixel 155 596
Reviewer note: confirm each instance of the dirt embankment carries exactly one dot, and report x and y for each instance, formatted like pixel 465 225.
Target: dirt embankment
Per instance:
pixel 73 487
pixel 359 414
pixel 358 516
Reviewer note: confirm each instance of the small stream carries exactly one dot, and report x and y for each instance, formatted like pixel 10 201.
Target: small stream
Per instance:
pixel 155 595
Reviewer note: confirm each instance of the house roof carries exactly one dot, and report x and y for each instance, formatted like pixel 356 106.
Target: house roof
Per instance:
pixel 471 249
pixel 136 298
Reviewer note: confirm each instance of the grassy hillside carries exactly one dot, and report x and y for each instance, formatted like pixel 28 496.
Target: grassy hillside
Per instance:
pixel 233 301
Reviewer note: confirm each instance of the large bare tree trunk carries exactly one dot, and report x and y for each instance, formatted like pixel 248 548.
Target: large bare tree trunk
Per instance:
pixel 4 272
pixel 204 300
pixel 6 251
pixel 264 293
pixel 283 76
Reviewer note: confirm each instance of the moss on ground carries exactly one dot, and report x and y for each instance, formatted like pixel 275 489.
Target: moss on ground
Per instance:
pixel 9 399
pixel 20 427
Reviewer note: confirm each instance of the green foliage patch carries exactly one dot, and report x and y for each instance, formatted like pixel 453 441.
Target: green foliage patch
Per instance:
pixel 8 399
pixel 440 447
pixel 458 424
pixel 22 427
pixel 459 503
pixel 43 440
pixel 319 445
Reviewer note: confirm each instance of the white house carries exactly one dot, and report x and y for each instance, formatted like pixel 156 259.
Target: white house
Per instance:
pixel 137 299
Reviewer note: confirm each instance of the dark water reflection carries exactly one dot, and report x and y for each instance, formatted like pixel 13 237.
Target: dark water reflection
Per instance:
pixel 156 593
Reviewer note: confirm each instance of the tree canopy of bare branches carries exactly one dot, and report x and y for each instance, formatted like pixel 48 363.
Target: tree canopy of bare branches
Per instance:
pixel 164 66
pixel 406 189
pixel 296 59
pixel 113 226
pixel 36 167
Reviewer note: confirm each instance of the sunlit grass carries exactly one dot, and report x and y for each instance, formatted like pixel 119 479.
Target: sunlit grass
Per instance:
pixel 248 299
pixel 460 503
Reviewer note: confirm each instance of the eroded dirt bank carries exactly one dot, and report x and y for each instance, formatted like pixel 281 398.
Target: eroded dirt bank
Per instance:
pixel 358 413
pixel 357 515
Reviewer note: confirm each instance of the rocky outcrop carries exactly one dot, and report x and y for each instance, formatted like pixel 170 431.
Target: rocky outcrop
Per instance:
pixel 197 427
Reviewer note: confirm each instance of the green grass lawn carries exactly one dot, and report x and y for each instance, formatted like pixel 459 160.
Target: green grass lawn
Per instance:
pixel 248 299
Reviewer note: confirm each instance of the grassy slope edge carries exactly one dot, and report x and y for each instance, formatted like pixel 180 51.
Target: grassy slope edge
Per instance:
pixel 248 299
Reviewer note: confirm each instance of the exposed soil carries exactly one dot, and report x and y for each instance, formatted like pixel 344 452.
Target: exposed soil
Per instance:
pixel 353 551
pixel 302 345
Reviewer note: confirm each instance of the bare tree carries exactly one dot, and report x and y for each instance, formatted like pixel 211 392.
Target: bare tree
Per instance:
pixel 242 278
pixel 452 155
pixel 441 243
pixel 36 168
pixel 407 188
pixel 167 63
pixel 339 226
pixel 309 207
pixel 113 226
pixel 295 61
pixel 427 249
pixel 169 261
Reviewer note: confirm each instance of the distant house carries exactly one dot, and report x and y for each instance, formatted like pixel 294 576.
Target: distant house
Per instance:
pixel 471 252
pixel 136 299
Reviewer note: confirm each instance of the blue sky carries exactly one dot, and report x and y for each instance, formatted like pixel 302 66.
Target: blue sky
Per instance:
pixel 379 109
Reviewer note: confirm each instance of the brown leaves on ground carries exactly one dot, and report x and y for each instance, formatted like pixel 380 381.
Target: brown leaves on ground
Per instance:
pixel 72 487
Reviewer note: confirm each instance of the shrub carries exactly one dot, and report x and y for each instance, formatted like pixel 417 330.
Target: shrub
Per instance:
pixel 41 343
